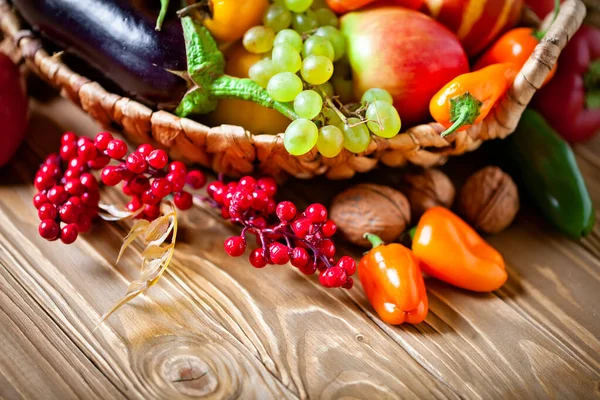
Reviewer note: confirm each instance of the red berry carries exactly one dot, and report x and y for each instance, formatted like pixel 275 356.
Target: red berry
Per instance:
pixel 77 164
pixel 161 187
pixel 333 277
pixel 151 211
pixel 329 228
pixel 47 211
pixel 259 200
pixel 286 211
pixel 149 198
pixel 177 180
pixel 57 195
pixel 68 233
pixel 327 248
pixel 111 176
pixel 348 264
pixel 247 182
pixel 299 257
pixel 216 190
pixel 102 140
pixel 49 229
pixel 135 204
pixel 69 212
pixel 269 185
pixel 90 199
pixel 279 253
pixel 135 163
pixel 99 162
pixel 144 149
pixel 349 283
pixel 235 246
pixel 74 187
pixel 72 173
pixel 183 200
pixel 225 213
pixel 157 159
pixel 309 269
pixel 68 137
pixel 242 199
pixel 39 199
pixel 178 167
pixel 316 213
pixel 195 179
pixel 138 185
pixel 271 206
pixel 68 151
pixel 83 140
pixel 52 159
pixel 257 258
pixel 301 227
pixel 87 152
pixel 50 170
pixel 43 182
pixel 84 224
pixel 116 149
pixel 259 223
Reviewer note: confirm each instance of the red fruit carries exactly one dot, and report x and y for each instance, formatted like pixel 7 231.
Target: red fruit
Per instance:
pixel 87 151
pixel 257 258
pixel 151 211
pixel 74 187
pixel 135 204
pixel 329 228
pixel 279 253
pixel 39 199
pixel 99 162
pixel 68 137
pixel 49 229
pixel 69 213
pixel 57 195
pixel 195 179
pixel 144 149
pixel 111 176
pixel 327 248
pixel 13 109
pixel 50 170
pixel 177 180
pixel 102 140
pixel 84 224
pixel 43 182
pixel 47 211
pixel 349 283
pixel 161 187
pixel 83 140
pixel 269 185
pixel 286 211
pixel 333 277
pixel 260 201
pixel 301 227
pixel 225 213
pixel 52 159
pixel 116 149
pixel 309 269
pixel 478 23
pixel 138 185
pixel 90 199
pixel 183 200
pixel 149 198
pixel 242 199
pixel 216 190
pixel 235 246
pixel 135 163
pixel 247 182
pixel 271 206
pixel 259 223
pixel 68 151
pixel 316 213
pixel 299 257
pixel 88 181
pixel 348 264
pixel 178 167
pixel 68 233
pixel 408 54
pixel 157 159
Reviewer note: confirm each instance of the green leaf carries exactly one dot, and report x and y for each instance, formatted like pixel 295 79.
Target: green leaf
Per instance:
pixel 164 6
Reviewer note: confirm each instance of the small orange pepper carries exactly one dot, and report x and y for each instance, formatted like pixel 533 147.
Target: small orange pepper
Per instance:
pixel 450 250
pixel 469 98
pixel 393 283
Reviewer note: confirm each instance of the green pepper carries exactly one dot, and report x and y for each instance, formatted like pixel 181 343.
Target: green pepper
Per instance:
pixel 548 170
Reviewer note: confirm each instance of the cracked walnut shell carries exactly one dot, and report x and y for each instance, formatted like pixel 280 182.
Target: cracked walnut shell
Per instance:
pixel 489 200
pixel 370 208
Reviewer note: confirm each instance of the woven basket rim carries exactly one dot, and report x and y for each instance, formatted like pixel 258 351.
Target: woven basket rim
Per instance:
pixel 232 150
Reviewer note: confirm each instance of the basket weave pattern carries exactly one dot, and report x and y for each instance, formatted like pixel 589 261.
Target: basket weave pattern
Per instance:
pixel 234 151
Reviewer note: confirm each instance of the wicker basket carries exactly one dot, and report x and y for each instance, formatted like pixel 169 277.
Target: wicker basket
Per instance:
pixel 234 151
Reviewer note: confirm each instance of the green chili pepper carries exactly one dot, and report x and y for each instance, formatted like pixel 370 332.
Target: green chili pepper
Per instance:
pixel 547 167
pixel 206 73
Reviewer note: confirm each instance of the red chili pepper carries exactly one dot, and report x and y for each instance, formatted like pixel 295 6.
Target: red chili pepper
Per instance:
pixel 571 102
pixel 393 283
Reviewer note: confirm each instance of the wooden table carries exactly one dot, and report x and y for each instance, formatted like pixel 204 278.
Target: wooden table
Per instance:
pixel 215 327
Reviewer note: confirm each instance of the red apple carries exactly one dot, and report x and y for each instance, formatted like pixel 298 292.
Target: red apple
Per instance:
pixel 404 52
pixel 13 109
pixel 541 7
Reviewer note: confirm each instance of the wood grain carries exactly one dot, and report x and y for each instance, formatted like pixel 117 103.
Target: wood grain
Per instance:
pixel 214 327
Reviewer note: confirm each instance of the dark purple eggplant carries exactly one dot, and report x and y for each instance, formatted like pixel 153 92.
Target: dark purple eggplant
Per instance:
pixel 118 38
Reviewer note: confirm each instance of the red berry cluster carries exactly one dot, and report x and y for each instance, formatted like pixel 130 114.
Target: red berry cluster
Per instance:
pixel 283 234
pixel 67 198
pixel 147 176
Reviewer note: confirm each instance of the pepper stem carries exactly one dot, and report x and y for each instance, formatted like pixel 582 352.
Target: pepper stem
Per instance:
pixel 374 239
pixel 464 110
pixel 412 232
pixel 540 34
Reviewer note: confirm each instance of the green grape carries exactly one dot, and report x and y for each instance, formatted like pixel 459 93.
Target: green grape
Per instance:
pixel 327 89
pixel 388 121
pixel 343 88
pixel 290 37
pixel 357 137
pixel 376 94
pixel 298 6
pixel 262 71
pixel 316 69
pixel 305 22
pixel 300 137
pixel 331 117
pixel 319 4
pixel 286 58
pixel 308 104
pixel 259 39
pixel 326 17
pixel 318 46
pixel 336 38
pixel 284 86
pixel 331 141
pixel 277 17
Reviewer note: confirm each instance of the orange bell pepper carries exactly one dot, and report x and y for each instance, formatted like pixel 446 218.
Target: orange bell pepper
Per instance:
pixel 469 98
pixel 450 250
pixel 393 283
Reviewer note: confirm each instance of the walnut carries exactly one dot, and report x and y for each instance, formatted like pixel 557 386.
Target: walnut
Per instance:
pixel 371 208
pixel 427 189
pixel 489 200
